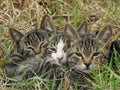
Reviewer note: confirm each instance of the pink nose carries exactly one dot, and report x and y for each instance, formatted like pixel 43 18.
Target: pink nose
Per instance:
pixel 59 58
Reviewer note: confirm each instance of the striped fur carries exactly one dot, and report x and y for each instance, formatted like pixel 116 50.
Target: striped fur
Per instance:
pixel 56 48
pixel 87 53
pixel 31 59
pixel 89 49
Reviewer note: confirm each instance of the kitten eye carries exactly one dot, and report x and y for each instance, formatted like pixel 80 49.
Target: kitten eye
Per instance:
pixel 78 54
pixel 96 54
pixel 30 47
pixel 53 49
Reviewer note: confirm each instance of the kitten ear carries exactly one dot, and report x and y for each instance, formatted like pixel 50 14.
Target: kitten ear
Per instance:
pixel 105 34
pixel 70 35
pixel 47 26
pixel 15 35
pixel 82 28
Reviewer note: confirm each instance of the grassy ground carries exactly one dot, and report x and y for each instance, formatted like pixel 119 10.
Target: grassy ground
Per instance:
pixel 27 14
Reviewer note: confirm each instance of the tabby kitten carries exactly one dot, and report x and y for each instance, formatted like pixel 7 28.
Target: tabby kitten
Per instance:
pixel 90 49
pixel 57 44
pixel 30 59
pixel 88 52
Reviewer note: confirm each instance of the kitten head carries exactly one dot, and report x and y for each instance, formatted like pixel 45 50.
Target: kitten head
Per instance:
pixel 89 51
pixel 30 43
pixel 55 48
pixel 60 43
pixel 34 41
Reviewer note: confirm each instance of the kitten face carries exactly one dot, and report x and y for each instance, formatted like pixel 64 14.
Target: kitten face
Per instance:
pixel 87 53
pixel 56 48
pixel 32 43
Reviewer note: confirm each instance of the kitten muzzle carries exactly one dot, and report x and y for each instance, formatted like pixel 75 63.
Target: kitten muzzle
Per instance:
pixel 37 51
pixel 59 58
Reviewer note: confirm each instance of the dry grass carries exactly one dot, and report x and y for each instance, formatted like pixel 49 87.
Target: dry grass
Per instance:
pixel 27 14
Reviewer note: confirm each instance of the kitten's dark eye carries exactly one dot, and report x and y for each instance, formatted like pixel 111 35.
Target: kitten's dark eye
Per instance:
pixel 96 54
pixel 30 47
pixel 53 49
pixel 79 54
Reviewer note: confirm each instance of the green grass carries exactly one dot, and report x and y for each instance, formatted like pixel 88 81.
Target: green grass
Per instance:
pixel 35 83
pixel 108 78
pixel 27 14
